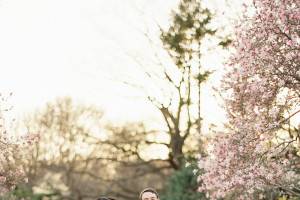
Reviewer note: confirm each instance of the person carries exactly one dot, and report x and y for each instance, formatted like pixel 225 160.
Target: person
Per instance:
pixel 105 198
pixel 149 194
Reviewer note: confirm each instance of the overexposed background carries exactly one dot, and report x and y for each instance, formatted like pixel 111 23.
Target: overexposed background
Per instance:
pixel 80 48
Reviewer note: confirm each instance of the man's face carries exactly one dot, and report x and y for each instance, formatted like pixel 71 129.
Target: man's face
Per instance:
pixel 149 196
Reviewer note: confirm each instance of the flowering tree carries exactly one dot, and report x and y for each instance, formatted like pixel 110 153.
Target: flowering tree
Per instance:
pixel 262 90
pixel 12 151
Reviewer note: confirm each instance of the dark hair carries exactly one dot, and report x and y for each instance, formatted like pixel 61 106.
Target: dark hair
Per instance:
pixel 105 198
pixel 151 190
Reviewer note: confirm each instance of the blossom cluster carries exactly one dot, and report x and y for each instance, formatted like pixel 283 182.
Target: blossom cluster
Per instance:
pixel 13 150
pixel 262 89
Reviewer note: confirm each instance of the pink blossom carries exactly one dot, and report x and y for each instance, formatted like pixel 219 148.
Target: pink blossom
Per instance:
pixel 12 150
pixel 262 86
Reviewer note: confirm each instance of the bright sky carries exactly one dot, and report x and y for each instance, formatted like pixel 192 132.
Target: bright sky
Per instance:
pixel 54 48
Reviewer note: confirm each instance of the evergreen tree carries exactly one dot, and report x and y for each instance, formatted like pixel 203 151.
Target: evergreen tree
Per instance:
pixel 183 184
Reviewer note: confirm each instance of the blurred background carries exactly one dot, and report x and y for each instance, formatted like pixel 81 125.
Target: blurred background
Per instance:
pixel 123 93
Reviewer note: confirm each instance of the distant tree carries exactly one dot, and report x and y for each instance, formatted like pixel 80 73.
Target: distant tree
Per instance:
pixel 183 42
pixel 79 156
pixel 178 83
pixel 62 161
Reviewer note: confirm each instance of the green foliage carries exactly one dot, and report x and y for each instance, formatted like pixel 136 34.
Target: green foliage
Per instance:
pixel 225 42
pixel 25 193
pixel 183 184
pixel 201 77
pixel 184 37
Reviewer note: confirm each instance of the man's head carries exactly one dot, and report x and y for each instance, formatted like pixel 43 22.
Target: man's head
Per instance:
pixel 149 194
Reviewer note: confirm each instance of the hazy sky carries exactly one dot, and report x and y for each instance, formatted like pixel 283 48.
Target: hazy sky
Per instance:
pixel 54 48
